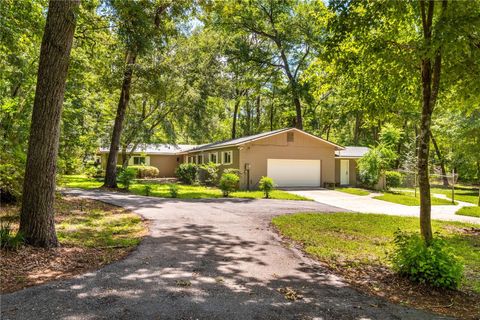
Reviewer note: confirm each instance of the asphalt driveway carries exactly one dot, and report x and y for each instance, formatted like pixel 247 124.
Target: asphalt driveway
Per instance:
pixel 204 259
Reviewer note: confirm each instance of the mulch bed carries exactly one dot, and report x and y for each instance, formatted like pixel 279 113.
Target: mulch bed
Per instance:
pixel 381 281
pixel 31 266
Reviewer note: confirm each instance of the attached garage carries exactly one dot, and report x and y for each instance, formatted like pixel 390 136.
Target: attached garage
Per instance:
pixel 294 172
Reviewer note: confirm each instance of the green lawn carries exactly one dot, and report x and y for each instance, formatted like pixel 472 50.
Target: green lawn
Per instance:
pixel 463 193
pixel 355 191
pixel 409 199
pixel 469 211
pixel 357 239
pixel 184 191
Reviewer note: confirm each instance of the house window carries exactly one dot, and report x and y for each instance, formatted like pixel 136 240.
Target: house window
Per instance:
pixel 137 161
pixel 289 136
pixel 227 157
pixel 213 157
pixel 200 159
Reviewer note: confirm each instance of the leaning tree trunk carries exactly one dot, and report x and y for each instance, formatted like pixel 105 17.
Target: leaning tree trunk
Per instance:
pixel 37 214
pixel 441 159
pixel 111 170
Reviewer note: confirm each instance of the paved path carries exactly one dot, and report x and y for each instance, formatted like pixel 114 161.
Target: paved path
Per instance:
pixel 204 259
pixel 366 204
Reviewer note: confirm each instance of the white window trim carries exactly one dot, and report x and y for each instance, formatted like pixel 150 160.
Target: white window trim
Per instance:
pixel 223 157
pixel 210 157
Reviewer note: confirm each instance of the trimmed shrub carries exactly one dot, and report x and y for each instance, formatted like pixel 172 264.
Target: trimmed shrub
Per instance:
pixel 173 190
pixel 208 173
pixel 394 179
pixel 267 185
pixel 228 183
pixel 187 173
pixel 145 171
pixel 233 170
pixel 434 264
pixel 8 239
pixel 126 177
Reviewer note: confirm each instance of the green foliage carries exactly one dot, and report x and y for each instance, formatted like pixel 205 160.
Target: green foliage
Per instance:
pixel 394 179
pixel 187 172
pixel 148 189
pixel 145 171
pixel 370 167
pixel 126 177
pixel 266 185
pixel 390 136
pixel 11 181
pixel 228 183
pixel 91 172
pixel 233 170
pixel 208 173
pixel 9 240
pixel 434 264
pixel 173 190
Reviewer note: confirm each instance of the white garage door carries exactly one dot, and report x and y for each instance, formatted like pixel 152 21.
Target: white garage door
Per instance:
pixel 294 173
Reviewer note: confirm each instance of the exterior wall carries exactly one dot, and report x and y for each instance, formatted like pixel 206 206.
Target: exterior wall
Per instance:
pixel 166 164
pixel 305 147
pixel 352 171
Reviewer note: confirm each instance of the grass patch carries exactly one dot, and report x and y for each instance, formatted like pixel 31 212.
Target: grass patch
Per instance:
pixel 184 191
pixel 79 181
pixel 409 199
pixel 463 193
pixel 355 191
pixel 469 211
pixel 354 238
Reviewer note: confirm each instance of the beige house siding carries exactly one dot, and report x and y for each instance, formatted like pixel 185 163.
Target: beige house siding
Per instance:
pixel 166 164
pixel 353 171
pixel 304 147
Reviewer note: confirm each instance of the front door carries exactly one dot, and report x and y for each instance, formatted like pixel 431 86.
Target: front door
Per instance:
pixel 344 172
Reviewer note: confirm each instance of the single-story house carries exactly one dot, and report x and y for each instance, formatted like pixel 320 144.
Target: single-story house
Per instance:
pixel 291 157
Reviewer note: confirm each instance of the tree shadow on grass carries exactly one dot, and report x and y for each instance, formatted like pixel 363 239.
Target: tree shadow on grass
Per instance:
pixel 198 271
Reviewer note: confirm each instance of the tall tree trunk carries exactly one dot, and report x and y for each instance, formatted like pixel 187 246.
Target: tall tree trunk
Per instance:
pixel 430 76
pixel 358 124
pixel 235 116
pixel 257 111
pixel 294 88
pixel 37 214
pixel 441 159
pixel 111 170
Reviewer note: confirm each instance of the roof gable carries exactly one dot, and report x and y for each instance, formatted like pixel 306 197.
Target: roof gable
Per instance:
pixel 252 138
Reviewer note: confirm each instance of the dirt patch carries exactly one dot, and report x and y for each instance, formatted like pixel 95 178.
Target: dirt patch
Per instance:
pixel 32 266
pixel 29 266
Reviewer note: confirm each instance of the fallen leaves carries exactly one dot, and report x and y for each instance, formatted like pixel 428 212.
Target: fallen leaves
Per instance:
pixel 290 294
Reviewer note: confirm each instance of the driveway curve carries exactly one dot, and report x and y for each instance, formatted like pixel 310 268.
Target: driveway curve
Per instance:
pixel 204 259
